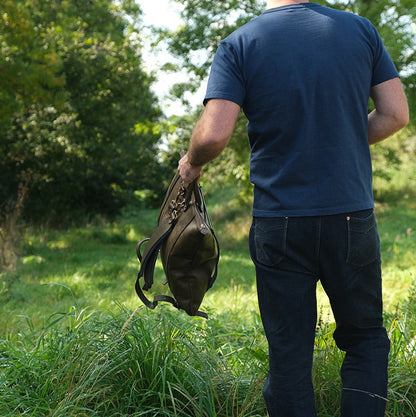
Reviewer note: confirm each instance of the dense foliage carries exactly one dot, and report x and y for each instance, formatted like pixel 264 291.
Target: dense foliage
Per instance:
pixel 77 117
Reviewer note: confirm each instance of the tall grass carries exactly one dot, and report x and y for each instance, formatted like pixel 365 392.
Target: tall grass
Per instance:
pixel 75 340
pixel 145 363
pixel 128 363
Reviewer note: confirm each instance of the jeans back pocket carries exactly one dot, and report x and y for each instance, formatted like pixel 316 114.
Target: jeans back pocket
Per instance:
pixel 363 240
pixel 269 240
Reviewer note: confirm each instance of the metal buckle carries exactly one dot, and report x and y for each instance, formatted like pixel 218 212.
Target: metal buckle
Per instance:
pixel 177 206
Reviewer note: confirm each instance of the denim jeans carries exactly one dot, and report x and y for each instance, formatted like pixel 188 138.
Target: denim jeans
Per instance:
pixel 343 252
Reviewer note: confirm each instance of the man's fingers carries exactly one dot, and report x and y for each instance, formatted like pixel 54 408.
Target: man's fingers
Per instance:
pixel 187 171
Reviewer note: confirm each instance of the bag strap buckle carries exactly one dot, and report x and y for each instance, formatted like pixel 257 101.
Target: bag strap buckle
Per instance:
pixel 177 206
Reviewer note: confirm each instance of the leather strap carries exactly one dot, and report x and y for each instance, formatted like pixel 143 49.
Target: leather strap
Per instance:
pixel 148 261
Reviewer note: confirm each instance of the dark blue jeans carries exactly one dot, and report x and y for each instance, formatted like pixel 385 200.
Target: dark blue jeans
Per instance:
pixel 291 255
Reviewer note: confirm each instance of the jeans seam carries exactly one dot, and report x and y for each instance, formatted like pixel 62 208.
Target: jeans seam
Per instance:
pixel 318 246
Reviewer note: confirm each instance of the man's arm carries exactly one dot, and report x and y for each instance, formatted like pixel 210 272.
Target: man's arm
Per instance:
pixel 391 111
pixel 209 137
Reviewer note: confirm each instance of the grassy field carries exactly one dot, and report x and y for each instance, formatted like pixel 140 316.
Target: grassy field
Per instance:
pixel 76 341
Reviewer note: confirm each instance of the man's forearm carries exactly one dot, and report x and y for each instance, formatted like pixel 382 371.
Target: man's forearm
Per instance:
pixel 209 137
pixel 381 127
pixel 202 149
pixel 391 110
pixel 212 131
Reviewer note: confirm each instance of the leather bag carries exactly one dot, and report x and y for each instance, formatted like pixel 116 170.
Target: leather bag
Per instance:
pixel 188 248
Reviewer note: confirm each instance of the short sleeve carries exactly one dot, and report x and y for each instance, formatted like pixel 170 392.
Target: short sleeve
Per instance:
pixel 226 80
pixel 383 66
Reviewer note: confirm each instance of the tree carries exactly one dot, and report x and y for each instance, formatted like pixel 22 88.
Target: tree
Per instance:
pixel 76 110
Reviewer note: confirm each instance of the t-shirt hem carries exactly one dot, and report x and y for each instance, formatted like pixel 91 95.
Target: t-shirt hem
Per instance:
pixel 385 78
pixel 309 212
pixel 223 97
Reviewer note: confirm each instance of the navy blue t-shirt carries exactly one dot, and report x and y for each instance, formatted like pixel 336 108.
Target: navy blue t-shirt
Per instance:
pixel 302 74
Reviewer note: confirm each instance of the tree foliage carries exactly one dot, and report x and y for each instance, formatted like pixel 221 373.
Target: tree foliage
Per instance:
pixel 205 23
pixel 77 115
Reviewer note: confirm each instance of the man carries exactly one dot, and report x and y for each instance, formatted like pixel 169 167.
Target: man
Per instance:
pixel 303 74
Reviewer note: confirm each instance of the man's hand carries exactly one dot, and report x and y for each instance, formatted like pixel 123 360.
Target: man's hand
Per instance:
pixel 187 171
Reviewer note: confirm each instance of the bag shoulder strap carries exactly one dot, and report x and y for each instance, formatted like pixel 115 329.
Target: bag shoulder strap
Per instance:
pixel 200 200
pixel 148 260
pixel 215 272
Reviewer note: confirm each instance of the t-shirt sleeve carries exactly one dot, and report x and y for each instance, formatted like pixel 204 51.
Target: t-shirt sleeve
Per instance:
pixel 226 80
pixel 383 67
